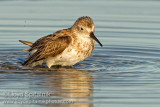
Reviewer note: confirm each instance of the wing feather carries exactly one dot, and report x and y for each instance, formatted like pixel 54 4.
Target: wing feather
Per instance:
pixel 48 46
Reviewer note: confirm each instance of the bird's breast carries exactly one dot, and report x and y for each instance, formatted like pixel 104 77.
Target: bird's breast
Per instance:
pixel 84 47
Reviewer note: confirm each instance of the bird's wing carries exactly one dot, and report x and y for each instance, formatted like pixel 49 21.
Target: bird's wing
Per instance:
pixel 48 46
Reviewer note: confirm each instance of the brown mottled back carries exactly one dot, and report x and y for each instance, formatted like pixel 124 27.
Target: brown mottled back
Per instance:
pixel 49 46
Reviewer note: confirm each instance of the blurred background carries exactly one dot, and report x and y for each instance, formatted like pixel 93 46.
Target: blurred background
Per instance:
pixel 124 72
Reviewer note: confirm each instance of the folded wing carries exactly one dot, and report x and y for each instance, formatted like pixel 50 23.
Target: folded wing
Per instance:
pixel 48 46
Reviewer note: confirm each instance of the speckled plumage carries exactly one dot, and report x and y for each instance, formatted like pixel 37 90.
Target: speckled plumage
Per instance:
pixel 65 47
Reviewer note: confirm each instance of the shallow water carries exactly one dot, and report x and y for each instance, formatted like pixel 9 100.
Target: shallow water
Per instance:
pixel 124 72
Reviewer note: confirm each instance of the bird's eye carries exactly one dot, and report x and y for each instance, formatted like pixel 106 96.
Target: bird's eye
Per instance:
pixel 81 28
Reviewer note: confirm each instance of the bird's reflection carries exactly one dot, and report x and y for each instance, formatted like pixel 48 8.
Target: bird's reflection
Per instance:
pixel 70 85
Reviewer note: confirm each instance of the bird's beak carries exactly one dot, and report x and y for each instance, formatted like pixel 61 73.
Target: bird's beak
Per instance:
pixel 93 37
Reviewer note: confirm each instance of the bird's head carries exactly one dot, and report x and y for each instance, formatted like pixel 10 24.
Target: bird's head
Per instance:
pixel 84 26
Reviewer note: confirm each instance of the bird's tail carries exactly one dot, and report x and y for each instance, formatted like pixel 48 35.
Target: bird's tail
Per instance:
pixel 26 43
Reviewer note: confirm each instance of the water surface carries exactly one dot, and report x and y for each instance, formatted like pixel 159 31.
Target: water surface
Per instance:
pixel 124 72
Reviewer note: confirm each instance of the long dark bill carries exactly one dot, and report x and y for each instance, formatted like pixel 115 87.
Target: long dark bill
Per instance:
pixel 94 37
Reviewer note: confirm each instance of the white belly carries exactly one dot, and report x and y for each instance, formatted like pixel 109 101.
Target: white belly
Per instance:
pixel 66 58
pixel 71 55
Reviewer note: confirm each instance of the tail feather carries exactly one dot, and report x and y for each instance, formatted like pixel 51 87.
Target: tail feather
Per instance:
pixel 26 43
pixel 27 50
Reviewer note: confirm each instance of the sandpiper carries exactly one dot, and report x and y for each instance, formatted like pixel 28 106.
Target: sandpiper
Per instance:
pixel 65 47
